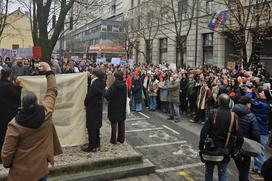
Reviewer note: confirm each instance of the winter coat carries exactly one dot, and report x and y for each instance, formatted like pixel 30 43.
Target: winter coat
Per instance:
pixel 94 104
pixel 248 123
pixel 137 90
pixel 129 82
pixel 31 140
pixel 163 90
pixel 10 97
pixel 173 91
pixel 204 97
pixel 261 110
pixel 191 88
pixel 153 87
pixel 219 130
pixel 117 97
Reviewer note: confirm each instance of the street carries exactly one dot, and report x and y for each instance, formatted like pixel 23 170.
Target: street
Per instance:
pixel 172 147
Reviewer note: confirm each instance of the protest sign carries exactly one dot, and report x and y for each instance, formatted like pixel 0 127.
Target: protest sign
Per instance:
pixel 116 61
pixel 69 116
pixel 24 52
pixel 37 52
pixel 173 67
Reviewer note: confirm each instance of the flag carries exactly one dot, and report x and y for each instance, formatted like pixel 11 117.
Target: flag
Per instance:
pixel 219 18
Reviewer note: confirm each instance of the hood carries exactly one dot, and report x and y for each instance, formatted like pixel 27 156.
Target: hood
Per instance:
pixel 241 109
pixel 31 118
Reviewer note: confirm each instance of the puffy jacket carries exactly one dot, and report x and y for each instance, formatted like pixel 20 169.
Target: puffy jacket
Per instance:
pixel 248 123
pixel 261 108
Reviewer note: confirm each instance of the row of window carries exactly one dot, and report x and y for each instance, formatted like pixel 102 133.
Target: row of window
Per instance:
pixel 163 48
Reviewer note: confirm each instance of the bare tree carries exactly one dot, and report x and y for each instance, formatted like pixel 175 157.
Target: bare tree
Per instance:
pixel 246 18
pixel 50 19
pixel 144 24
pixel 3 15
pixel 176 18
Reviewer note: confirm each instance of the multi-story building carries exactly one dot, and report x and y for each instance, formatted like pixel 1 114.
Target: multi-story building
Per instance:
pixel 17 32
pixel 201 45
pixel 101 35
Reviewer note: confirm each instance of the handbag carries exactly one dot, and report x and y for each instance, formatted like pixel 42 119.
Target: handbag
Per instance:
pixel 128 104
pixel 250 148
pixel 210 152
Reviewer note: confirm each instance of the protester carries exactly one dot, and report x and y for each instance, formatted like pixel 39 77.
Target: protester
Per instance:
pixel 249 129
pixel 31 139
pixel 261 108
pixel 153 87
pixel 94 109
pixel 117 97
pixel 136 104
pixel 266 169
pixel 10 95
pixel 217 127
pixel 173 98
pixel 18 69
pixel 55 66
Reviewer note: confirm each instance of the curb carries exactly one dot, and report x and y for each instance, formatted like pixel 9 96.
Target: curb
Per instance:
pixel 90 166
pixel 144 168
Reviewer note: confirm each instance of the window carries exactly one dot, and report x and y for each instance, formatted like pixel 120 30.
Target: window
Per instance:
pixel 109 27
pixel 182 8
pixel 180 50
pixel 132 3
pixel 209 6
pixel 115 29
pixel 15 46
pixel 104 27
pixel 139 2
pixel 163 50
pixel 208 48
pixel 163 17
pixel 148 50
pixel 208 39
pixel 113 6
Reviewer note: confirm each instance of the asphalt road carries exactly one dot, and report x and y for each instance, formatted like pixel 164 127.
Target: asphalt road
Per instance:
pixel 171 147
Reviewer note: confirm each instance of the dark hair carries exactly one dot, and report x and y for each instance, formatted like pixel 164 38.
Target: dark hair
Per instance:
pixel 224 100
pixel 5 73
pixel 118 75
pixel 245 100
pixel 29 101
pixel 97 72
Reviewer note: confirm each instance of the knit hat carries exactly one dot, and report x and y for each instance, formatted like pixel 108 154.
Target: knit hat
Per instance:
pixel 136 74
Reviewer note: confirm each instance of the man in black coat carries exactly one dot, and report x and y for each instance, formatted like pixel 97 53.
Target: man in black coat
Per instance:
pixel 117 97
pixel 94 108
pixel 10 98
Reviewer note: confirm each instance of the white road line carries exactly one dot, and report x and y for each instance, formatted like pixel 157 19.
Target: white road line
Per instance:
pixel 170 129
pixel 148 129
pixel 144 115
pixel 181 167
pixel 135 119
pixel 161 144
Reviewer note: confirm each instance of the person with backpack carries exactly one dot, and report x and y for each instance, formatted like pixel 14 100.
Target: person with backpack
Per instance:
pixel 249 129
pixel 219 138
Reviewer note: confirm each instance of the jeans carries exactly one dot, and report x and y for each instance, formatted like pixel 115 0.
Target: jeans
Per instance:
pixel 243 165
pixel 152 103
pixel 222 171
pixel 260 159
pixel 174 110
pixel 135 106
pixel 43 179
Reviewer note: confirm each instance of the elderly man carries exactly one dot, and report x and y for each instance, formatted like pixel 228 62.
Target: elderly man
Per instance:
pixel 31 139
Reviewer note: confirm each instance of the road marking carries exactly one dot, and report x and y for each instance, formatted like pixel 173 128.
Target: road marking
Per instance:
pixel 186 175
pixel 144 115
pixel 148 129
pixel 182 167
pixel 135 119
pixel 161 144
pixel 162 135
pixel 170 129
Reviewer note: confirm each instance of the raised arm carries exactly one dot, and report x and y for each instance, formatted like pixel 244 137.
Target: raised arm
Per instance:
pixel 51 93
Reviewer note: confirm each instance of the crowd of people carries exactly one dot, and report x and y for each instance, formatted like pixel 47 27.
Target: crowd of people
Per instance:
pixel 208 95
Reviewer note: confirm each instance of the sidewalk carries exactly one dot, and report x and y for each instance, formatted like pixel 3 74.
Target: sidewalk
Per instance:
pixel 74 160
